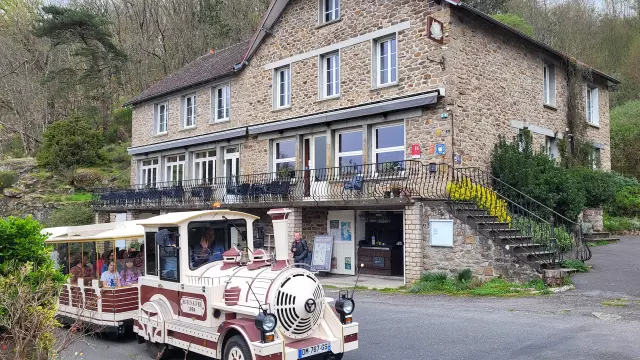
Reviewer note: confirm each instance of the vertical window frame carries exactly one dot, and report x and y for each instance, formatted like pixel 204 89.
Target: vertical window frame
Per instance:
pixel 277 82
pixel 377 51
pixel 202 163
pixel 226 102
pixel 592 105
pixel 159 130
pixel 336 87
pixel 185 112
pixel 330 11
pixel 274 159
pixel 374 143
pixel 549 90
pixel 149 172
pixel 339 154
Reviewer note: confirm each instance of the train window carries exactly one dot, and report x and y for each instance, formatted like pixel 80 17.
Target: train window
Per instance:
pixel 78 262
pixel 208 240
pixel 168 241
pixel 90 258
pixel 107 255
pixel 60 257
pixel 150 246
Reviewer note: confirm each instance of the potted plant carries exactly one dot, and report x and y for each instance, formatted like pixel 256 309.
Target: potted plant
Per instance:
pixel 387 192
pixel 395 190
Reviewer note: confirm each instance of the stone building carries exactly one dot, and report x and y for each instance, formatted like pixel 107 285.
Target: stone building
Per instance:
pixel 357 114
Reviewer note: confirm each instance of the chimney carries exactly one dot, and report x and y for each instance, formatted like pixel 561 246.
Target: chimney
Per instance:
pixel 280 232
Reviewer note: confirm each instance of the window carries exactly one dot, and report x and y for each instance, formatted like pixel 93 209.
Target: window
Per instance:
pixel 204 168
pixel 283 87
pixel 386 61
pixel 549 84
pixel 551 147
pixel 175 168
pixel 593 111
pixel 149 173
pixel 161 118
pixel 284 156
pixel 595 159
pixel 349 151
pixel 168 241
pixel 221 236
pixel 189 115
pixel 330 75
pixel 330 10
pixel 150 253
pixel 222 102
pixel 388 147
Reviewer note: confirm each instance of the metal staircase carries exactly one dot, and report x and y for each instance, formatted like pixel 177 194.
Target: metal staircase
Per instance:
pixel 524 228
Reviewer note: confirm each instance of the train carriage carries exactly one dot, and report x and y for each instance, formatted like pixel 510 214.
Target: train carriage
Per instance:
pixel 209 291
pixel 84 253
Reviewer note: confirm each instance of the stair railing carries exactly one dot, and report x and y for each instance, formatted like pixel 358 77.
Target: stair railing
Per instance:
pixel 526 228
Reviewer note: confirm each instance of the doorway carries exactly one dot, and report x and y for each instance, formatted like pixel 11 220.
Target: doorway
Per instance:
pixel 232 165
pixel 314 162
pixel 341 224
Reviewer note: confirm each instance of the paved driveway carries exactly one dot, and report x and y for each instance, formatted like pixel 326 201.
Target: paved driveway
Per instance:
pixel 616 270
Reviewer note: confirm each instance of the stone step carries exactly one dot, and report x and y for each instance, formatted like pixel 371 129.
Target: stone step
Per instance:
pixel 543 256
pixel 464 205
pixel 597 235
pixel 492 225
pixel 608 240
pixel 525 249
pixel 504 232
pixel 481 218
pixel 471 212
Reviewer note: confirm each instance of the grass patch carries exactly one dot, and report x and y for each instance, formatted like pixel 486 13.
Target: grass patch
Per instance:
pixel 615 302
pixel 598 243
pixel 575 264
pixel 440 283
pixel 60 198
pixel 616 224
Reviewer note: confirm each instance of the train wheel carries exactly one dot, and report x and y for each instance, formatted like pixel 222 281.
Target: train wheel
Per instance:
pixel 236 349
pixel 157 351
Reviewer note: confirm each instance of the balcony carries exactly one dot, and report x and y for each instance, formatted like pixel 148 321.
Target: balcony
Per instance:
pixel 395 183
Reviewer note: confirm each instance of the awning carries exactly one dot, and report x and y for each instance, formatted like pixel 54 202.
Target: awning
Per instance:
pixel 359 111
pixel 196 140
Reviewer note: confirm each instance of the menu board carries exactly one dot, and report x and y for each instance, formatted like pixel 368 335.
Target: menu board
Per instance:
pixel 322 248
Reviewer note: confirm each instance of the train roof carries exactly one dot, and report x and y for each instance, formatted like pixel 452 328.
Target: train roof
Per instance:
pixel 96 232
pixel 178 218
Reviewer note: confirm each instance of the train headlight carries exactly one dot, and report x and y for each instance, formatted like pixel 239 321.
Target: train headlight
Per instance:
pixel 345 306
pixel 266 323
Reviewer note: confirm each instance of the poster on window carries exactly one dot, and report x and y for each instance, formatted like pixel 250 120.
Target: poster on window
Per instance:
pixel 345 234
pixel 347 263
pixel 334 229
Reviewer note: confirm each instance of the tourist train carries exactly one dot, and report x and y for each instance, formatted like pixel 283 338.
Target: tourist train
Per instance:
pixel 196 281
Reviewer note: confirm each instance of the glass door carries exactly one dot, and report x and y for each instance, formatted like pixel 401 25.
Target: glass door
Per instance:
pixel 175 169
pixel 204 170
pixel 315 162
pixel 232 165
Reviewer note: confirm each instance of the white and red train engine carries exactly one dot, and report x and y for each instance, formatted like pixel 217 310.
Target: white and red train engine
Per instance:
pixel 208 291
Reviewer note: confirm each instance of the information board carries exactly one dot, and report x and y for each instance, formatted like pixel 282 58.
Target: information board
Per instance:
pixel 322 249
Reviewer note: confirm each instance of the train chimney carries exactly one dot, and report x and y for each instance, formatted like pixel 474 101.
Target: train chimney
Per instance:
pixel 280 232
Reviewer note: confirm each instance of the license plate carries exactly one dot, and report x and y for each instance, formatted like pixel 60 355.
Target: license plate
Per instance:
pixel 313 350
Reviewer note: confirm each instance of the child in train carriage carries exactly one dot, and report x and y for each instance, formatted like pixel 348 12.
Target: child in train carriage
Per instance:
pixel 130 275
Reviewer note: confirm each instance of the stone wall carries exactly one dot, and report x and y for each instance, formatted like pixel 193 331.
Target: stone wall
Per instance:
pixel 314 222
pixel 470 250
pixel 593 220
pixel 498 78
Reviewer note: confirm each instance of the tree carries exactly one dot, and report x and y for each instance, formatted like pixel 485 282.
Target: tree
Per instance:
pixel 98 59
pixel 625 139
pixel 515 22
pixel 71 215
pixel 69 144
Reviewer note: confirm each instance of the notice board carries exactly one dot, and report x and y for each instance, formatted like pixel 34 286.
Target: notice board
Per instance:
pixel 441 232
pixel 322 249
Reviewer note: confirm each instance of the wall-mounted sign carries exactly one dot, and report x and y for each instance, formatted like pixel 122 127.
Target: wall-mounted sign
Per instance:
pixel 458 159
pixel 347 263
pixel 440 149
pixel 435 30
pixel 432 149
pixel 416 151
pixel 441 233
pixel 378 261
pixel 192 306
pixel 438 132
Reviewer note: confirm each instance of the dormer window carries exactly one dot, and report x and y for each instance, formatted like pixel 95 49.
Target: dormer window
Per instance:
pixel 329 10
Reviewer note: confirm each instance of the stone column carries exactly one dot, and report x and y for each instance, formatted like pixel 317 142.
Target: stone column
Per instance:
pixel 133 215
pixel 294 224
pixel 413 242
pixel 102 217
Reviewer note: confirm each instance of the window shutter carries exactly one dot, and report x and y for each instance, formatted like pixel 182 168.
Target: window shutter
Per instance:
pixel 596 107
pixel 154 128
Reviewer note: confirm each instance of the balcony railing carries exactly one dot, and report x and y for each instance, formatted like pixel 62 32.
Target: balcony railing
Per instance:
pixel 392 182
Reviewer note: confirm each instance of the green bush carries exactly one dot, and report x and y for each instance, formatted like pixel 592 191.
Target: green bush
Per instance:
pixel 595 185
pixel 619 224
pixel 69 144
pixel 87 178
pixel 543 233
pixel 71 215
pixel 7 179
pixel 625 138
pixel 515 22
pixel 465 276
pixel 575 264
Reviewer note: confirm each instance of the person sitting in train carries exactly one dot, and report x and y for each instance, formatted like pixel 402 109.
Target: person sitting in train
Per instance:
pixel 205 251
pixel 107 257
pixel 110 278
pixel 81 270
pixel 130 275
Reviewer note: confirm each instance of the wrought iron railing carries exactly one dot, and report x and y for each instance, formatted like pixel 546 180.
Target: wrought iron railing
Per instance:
pixel 368 182
pixel 527 228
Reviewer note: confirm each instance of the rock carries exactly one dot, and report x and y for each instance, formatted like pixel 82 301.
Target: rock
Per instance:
pixel 12 193
pixel 562 289
pixel 21 165
pixel 605 316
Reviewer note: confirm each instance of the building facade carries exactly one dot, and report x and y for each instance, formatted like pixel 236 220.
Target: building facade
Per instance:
pixel 355 114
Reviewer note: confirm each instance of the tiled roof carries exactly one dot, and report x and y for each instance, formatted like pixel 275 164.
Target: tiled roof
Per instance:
pixel 202 70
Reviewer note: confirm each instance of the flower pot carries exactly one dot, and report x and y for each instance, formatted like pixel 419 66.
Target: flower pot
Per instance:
pixel 387 194
pixel 396 193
